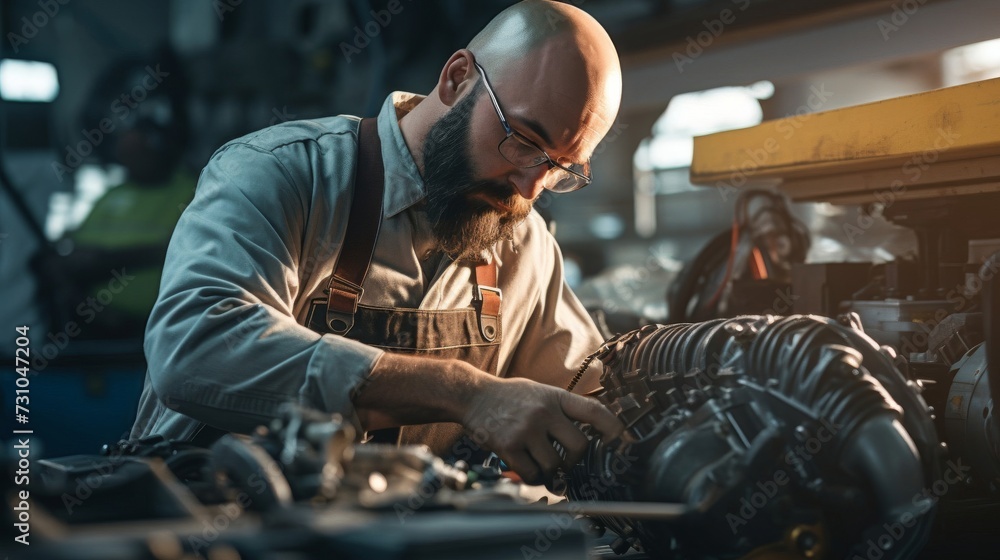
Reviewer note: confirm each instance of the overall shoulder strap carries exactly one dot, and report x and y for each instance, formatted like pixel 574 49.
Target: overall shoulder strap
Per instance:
pixel 487 298
pixel 358 245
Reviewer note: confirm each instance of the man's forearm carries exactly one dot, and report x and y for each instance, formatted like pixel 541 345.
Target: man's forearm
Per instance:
pixel 516 418
pixel 405 390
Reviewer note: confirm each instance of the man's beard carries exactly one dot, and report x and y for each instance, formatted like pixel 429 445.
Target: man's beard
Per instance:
pixel 465 226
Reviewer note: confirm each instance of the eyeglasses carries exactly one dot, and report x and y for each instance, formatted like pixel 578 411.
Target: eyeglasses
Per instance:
pixel 524 153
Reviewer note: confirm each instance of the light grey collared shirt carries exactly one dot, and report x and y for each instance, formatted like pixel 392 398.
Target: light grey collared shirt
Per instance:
pixel 225 342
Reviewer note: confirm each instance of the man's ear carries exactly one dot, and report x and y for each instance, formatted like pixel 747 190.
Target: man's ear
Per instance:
pixel 458 74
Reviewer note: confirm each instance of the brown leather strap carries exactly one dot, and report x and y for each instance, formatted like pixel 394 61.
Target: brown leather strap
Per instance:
pixel 487 299
pixel 363 223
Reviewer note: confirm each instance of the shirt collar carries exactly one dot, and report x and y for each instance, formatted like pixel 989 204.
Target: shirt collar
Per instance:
pixel 404 186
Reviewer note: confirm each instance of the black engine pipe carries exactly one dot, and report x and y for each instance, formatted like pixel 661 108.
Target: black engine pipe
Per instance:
pixel 680 388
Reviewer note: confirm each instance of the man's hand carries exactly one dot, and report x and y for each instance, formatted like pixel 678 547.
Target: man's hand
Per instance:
pixel 519 420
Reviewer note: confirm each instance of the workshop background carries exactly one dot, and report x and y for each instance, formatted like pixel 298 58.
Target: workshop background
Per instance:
pixel 185 76
pixel 110 108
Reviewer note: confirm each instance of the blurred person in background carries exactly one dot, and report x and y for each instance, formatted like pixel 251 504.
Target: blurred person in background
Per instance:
pixel 144 122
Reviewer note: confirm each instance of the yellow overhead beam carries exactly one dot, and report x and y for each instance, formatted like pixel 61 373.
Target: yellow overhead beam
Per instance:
pixel 937 143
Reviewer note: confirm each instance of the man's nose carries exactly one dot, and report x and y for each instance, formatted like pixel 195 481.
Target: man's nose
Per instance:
pixel 530 181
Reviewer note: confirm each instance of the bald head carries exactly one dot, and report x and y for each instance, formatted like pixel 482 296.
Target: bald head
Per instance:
pixel 514 33
pixel 557 81
pixel 539 44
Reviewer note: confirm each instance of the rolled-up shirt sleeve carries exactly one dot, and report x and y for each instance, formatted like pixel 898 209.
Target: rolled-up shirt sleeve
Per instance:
pixel 222 342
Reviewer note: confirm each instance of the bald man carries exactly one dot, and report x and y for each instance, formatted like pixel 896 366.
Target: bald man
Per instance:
pixel 392 269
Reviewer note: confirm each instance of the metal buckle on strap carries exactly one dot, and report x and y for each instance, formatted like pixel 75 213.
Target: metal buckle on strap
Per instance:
pixel 351 286
pixel 481 289
pixel 341 321
pixel 489 324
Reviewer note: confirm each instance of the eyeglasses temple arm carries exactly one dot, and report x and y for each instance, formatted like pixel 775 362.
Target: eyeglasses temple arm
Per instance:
pixel 493 99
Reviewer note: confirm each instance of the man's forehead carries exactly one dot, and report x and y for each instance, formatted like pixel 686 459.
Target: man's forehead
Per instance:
pixel 559 127
pixel 560 108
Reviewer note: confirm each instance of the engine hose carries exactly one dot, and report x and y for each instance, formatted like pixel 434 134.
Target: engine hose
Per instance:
pixel 714 405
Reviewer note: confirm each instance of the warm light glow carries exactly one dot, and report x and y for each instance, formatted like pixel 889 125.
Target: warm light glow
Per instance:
pixel 377 482
pixel 971 63
pixel 695 114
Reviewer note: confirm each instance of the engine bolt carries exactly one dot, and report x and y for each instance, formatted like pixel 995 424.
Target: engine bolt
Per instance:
pixel 801 433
